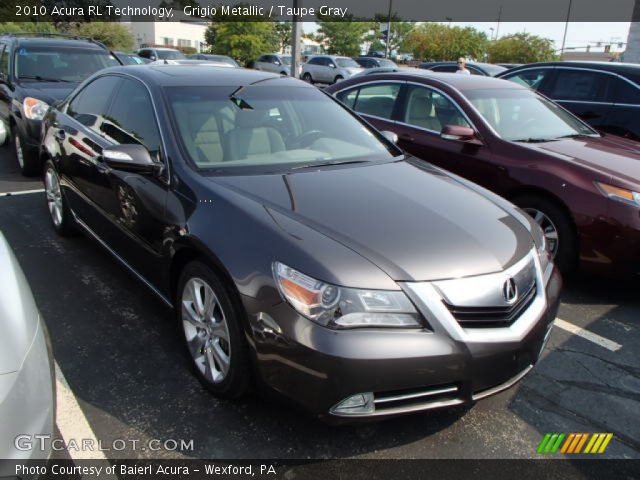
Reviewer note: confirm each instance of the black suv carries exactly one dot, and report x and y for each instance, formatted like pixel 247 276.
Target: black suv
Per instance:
pixel 605 95
pixel 37 70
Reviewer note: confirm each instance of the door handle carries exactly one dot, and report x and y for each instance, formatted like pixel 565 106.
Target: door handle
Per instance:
pixel 407 137
pixel 60 134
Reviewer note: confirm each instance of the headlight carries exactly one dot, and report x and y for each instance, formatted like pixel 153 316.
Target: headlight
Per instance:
pixel 34 109
pixel 619 194
pixel 339 307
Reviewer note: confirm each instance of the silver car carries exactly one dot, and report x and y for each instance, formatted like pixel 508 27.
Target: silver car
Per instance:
pixel 26 368
pixel 274 63
pixel 329 69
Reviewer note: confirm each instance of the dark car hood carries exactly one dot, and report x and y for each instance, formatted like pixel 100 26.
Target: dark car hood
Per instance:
pixel 49 92
pixel 612 156
pixel 416 223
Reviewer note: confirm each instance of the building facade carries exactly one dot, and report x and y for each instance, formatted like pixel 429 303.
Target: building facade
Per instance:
pixel 169 34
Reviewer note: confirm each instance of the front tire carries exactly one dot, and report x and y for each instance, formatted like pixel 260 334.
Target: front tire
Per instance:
pixel 559 230
pixel 59 212
pixel 338 78
pixel 307 78
pixel 29 164
pixel 212 332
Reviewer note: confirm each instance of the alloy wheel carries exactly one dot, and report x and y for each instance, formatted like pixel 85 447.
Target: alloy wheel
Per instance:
pixel 54 196
pixel 206 330
pixel 548 228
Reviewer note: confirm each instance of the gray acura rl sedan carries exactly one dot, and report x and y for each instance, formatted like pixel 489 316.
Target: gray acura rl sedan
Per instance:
pixel 297 244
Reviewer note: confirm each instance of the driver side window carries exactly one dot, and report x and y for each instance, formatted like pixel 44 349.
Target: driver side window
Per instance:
pixel 430 110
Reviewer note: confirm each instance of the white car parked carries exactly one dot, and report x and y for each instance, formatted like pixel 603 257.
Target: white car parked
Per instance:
pixel 275 63
pixel 329 69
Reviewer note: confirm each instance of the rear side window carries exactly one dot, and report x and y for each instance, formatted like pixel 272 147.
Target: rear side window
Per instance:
pixel 377 100
pixel 92 103
pixel 623 92
pixel 530 78
pixel 131 118
pixel 348 97
pixel 445 68
pixel 4 59
pixel 579 85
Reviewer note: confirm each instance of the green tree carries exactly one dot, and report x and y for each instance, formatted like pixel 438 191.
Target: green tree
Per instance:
pixel 399 33
pixel 436 41
pixel 521 48
pixel 284 32
pixel 114 35
pixel 31 27
pixel 244 41
pixel 342 36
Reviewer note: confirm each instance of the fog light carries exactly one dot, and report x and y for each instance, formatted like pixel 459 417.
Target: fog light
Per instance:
pixel 359 404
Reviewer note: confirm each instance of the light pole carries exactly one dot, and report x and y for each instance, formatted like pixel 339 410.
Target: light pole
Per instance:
pixel 566 27
pixel 296 35
pixel 386 47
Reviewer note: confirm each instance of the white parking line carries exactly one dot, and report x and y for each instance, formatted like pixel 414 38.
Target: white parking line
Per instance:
pixel 587 335
pixel 23 192
pixel 72 423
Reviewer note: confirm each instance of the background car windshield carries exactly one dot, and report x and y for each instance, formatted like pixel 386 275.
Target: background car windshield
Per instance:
pixel 493 70
pixel 524 115
pixel 61 64
pixel 347 63
pixel 386 63
pixel 170 55
pixel 264 126
pixel 286 60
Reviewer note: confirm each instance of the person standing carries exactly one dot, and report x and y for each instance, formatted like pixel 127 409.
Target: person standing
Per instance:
pixel 462 67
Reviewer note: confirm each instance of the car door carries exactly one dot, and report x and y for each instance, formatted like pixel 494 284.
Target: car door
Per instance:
pixel 261 63
pixel 376 102
pixel 422 114
pixel 624 116
pixel 133 205
pixel 5 91
pixel 76 142
pixel 583 92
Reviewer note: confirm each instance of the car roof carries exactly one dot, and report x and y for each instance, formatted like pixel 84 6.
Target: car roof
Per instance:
pixel 197 75
pixel 459 82
pixel 617 67
pixel 55 42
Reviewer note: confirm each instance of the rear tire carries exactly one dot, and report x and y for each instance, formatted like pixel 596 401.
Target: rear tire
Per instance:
pixel 557 225
pixel 307 78
pixel 59 212
pixel 29 164
pixel 211 327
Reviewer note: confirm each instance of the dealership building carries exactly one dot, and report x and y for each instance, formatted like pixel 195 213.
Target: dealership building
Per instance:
pixel 184 33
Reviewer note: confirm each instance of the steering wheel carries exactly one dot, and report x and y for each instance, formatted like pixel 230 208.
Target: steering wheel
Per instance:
pixel 307 138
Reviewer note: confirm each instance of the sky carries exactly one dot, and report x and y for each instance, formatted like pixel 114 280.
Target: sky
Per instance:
pixel 579 34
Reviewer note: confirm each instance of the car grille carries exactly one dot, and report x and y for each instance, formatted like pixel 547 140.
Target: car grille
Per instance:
pixel 492 317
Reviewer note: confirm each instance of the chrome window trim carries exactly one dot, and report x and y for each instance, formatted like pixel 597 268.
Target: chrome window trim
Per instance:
pixel 426 297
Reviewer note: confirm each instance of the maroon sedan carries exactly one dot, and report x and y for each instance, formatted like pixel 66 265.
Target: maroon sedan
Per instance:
pixel 582 187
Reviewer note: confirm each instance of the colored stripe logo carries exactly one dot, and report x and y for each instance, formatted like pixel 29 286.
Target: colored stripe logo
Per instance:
pixel 573 443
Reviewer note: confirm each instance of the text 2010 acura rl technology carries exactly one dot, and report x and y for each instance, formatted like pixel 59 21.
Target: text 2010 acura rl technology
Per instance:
pixel 298 244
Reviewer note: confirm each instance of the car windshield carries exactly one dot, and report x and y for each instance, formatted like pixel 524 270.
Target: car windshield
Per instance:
pixel 522 115
pixel 384 62
pixel 285 60
pixel 492 69
pixel 60 64
pixel 170 55
pixel 346 62
pixel 268 128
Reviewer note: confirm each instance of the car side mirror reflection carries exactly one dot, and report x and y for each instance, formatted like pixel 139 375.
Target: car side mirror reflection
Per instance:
pixel 460 134
pixel 332 65
pixel 392 137
pixel 130 158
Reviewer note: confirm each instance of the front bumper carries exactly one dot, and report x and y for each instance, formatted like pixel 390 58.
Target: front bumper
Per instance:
pixel 407 370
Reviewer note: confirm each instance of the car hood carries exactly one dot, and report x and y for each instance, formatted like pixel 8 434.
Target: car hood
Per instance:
pixel 49 92
pixel 18 312
pixel 612 156
pixel 413 221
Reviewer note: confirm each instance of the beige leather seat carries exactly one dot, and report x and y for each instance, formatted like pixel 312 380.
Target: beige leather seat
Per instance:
pixel 201 131
pixel 420 112
pixel 251 136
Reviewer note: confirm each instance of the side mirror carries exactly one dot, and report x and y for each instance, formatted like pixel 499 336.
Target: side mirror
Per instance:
pixel 152 57
pixel 130 158
pixel 392 137
pixel 332 65
pixel 459 133
pixel 277 62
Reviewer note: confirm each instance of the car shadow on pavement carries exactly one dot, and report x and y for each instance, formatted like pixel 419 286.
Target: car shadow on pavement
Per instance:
pixel 122 356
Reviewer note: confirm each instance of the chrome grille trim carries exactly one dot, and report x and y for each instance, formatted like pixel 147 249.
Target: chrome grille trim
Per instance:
pixel 409 396
pixel 428 299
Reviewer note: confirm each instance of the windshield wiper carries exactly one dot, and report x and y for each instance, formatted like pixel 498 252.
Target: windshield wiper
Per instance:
pixel 578 135
pixel 534 140
pixel 42 79
pixel 324 164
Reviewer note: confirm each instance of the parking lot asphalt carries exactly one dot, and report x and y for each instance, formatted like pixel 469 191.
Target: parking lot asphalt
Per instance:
pixel 119 351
